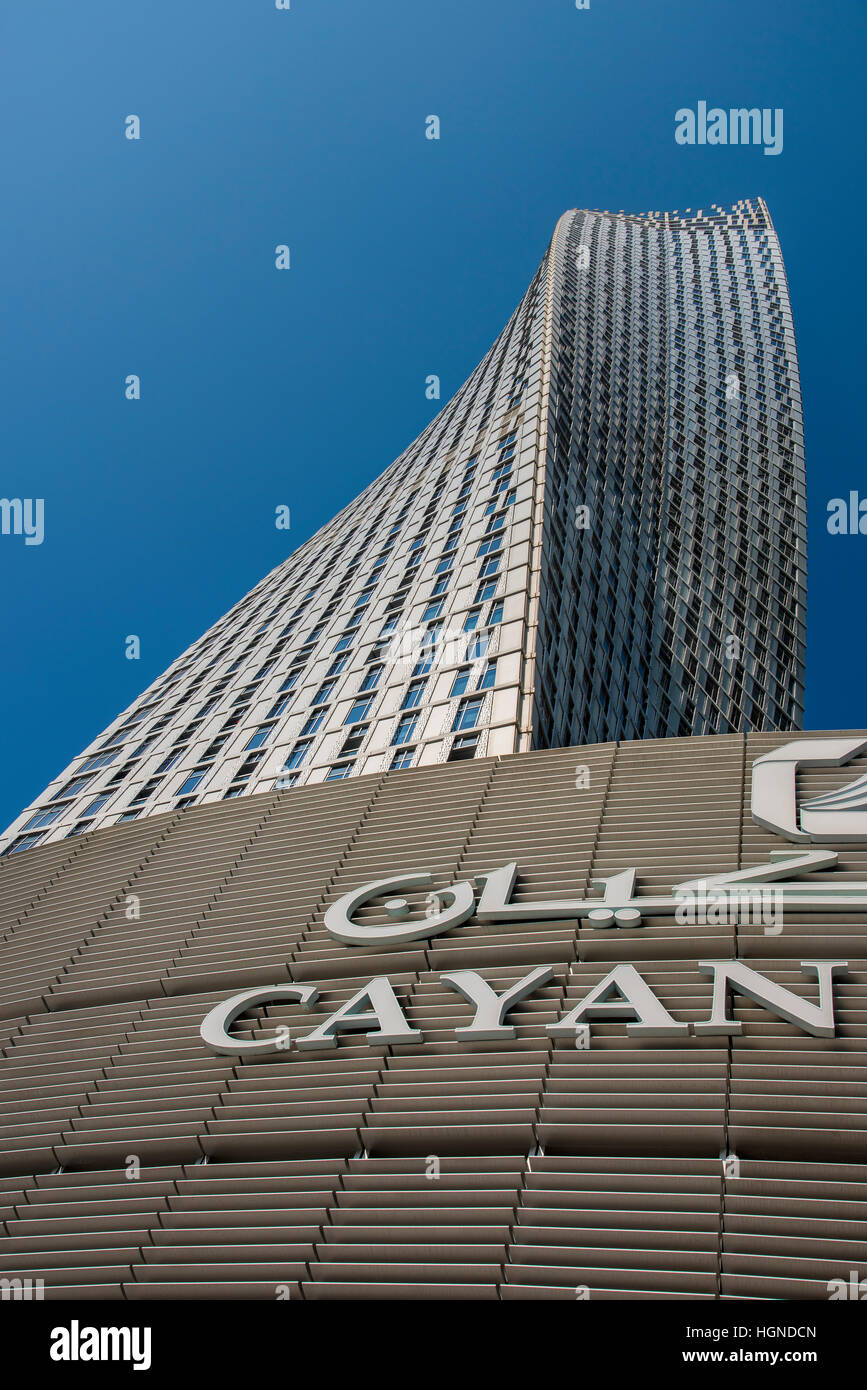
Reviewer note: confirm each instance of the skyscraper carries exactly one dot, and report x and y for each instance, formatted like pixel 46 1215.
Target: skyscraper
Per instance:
pixel 581 1017
pixel 601 536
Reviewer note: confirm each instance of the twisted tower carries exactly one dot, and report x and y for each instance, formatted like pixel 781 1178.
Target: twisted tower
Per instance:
pixel 601 536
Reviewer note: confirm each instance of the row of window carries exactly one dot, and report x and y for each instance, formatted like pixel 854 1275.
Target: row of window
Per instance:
pixel 496 512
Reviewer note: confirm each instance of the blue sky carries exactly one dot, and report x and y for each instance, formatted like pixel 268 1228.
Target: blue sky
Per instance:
pixel 262 388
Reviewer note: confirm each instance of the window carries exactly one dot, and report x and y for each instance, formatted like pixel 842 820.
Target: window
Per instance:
pixel 486 590
pixel 79 828
pixel 260 736
pixel 471 621
pixel 360 710
pixel 432 611
pixel 45 817
pixel 173 757
pixel 403 757
pixel 116 738
pixel 144 792
pixel 422 666
pixel 468 713
pixel 445 565
pixel 98 760
pixel 72 788
pixel 441 585
pixel 324 693
pixel 460 682
pixel 354 738
pixel 477 645
pixel 343 642
pixel 338 772
pixel 279 706
pixel 191 783
pixel 213 748
pixel 337 665
pixel 414 692
pixel 405 729
pixel 371 678
pixel 95 806
pixel 247 766
pixel 297 756
pixel 282 783
pixel 490 566
pixel 489 676
pixel 24 842
pixel 313 721
pixel 464 746
pixel 496 614
pixel 120 774
pixel 490 544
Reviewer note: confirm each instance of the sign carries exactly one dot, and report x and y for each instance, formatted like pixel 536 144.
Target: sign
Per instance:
pixel 622 995
pixel 786 881
pixel 839 815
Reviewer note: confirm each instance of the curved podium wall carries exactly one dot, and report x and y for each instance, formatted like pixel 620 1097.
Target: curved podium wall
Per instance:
pixel 136 1164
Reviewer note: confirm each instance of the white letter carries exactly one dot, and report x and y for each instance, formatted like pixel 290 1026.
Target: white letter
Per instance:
pixel 817 1019
pixel 685 132
pixel 215 1026
pixel 59 1350
pixel 491 1008
pixel 353 1016
pixel 636 1001
pixel 34 527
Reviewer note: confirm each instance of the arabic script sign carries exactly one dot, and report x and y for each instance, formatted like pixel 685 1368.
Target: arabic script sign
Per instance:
pixel 790 879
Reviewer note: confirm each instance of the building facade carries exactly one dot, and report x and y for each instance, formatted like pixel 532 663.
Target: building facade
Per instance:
pixel 600 537
pixel 716 1152
pixel 574 1008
